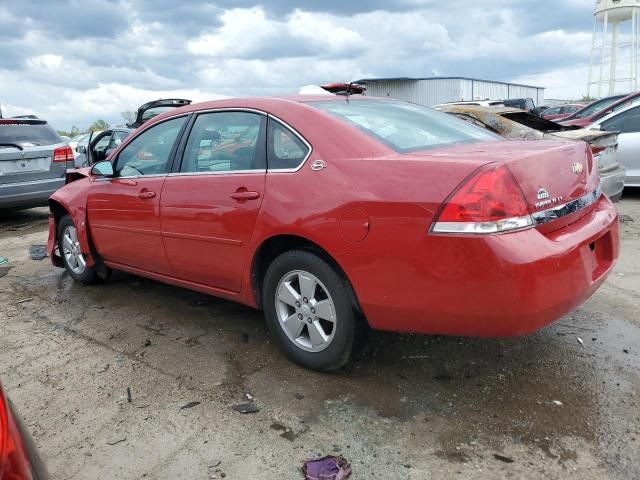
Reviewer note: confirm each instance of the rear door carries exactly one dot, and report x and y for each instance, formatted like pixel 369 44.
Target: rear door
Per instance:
pixel 210 205
pixel 26 151
pixel 628 124
pixel 124 211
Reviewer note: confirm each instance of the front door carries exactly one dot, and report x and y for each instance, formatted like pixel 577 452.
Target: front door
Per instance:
pixel 209 207
pixel 124 211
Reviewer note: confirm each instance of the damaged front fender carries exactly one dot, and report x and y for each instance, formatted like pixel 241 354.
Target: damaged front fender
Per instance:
pixel 71 200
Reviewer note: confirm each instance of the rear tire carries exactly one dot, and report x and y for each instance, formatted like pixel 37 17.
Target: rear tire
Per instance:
pixel 72 258
pixel 309 310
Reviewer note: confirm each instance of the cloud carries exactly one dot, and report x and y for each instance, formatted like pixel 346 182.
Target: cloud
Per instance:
pixel 75 60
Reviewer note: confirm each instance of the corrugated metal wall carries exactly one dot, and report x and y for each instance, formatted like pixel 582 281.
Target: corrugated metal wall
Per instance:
pixel 434 91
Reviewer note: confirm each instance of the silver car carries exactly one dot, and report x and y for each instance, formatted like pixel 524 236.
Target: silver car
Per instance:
pixel 33 162
pixel 627 122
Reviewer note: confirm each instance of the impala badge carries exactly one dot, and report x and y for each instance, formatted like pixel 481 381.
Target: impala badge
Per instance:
pixel 543 194
pixel 577 168
pixel 318 165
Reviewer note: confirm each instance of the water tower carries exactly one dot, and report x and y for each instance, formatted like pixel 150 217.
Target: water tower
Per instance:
pixel 614 48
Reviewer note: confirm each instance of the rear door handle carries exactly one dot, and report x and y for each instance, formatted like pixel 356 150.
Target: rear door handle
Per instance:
pixel 241 195
pixel 146 194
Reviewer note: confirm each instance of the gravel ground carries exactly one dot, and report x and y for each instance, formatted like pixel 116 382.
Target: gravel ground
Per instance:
pixel 408 407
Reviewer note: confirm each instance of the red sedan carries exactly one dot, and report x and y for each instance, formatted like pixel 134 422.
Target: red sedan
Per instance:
pixel 340 213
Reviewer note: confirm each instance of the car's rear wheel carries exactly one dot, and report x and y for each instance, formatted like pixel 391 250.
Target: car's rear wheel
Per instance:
pixel 308 308
pixel 72 257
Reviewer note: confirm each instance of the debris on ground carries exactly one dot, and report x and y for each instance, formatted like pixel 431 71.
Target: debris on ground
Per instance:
pixel 502 458
pixel 557 403
pixel 147 342
pixel 3 260
pixel 327 468
pixel 625 219
pixel 190 405
pixel 25 300
pixel 115 442
pixel 128 395
pixel 38 252
pixel 4 270
pixel 580 341
pixel 624 350
pixel 246 408
pixel 298 396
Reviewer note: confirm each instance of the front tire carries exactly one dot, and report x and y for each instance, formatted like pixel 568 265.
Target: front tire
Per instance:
pixel 308 308
pixel 73 259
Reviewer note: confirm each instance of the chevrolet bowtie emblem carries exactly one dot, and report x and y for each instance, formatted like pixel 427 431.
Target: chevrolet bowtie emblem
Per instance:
pixel 577 168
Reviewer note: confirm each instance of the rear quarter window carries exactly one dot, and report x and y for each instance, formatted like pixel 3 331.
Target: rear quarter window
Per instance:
pixel 405 127
pixel 28 134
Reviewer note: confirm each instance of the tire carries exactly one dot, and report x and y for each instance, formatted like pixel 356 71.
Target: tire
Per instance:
pixel 69 253
pixel 287 281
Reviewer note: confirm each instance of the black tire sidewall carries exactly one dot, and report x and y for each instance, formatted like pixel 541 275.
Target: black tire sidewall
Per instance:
pixel 89 275
pixel 339 351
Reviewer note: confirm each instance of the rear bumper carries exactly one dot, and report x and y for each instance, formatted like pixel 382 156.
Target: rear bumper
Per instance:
pixel 488 286
pixel 612 182
pixel 28 194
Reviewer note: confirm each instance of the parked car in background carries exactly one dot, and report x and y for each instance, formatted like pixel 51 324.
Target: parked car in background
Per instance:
pixel 561 111
pixel 599 109
pixel 522 103
pixel 344 88
pixel 627 123
pixel 19 459
pixel 316 210
pixel 33 162
pixel 101 144
pixel 477 103
pixel 78 140
pixel 521 125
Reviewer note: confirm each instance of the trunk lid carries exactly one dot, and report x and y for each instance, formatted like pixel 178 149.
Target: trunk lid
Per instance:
pixel 549 173
pixel 604 146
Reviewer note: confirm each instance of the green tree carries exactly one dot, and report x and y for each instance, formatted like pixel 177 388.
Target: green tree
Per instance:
pixel 98 125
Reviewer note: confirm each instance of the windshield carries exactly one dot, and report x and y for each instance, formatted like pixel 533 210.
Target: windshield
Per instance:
pixel 405 127
pixel 595 107
pixel 26 134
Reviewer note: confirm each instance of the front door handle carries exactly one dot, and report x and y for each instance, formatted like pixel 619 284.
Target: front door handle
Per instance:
pixel 146 194
pixel 243 194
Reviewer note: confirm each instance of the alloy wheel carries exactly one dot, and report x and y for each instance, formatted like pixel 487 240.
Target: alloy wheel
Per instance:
pixel 71 250
pixel 306 312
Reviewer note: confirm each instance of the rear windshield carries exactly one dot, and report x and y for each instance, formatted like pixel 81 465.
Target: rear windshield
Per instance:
pixel 595 107
pixel 405 127
pixel 26 134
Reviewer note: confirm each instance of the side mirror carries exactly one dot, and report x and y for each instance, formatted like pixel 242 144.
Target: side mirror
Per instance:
pixel 102 169
pixel 81 149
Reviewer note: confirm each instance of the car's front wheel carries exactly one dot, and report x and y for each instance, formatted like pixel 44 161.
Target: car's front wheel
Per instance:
pixel 308 308
pixel 72 257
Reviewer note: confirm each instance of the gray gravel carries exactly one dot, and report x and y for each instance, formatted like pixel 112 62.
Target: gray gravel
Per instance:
pixel 135 379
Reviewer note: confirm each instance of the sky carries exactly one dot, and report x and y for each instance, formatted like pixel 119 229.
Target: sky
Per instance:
pixel 74 61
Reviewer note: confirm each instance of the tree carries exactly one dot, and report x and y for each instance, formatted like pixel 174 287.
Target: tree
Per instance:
pixel 99 125
pixel 75 131
pixel 128 116
pixel 587 99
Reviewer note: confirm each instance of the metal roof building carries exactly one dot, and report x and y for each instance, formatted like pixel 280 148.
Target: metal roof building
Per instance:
pixel 435 90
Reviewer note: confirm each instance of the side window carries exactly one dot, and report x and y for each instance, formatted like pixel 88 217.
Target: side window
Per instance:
pixel 117 138
pixel 627 122
pixel 286 150
pixel 552 111
pixel 148 153
pixel 225 142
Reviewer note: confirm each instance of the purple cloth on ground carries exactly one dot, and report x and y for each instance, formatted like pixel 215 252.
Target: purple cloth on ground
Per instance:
pixel 327 468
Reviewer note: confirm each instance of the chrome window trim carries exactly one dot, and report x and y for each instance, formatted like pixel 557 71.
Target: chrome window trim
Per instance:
pixel 554 213
pixel 261 171
pixel 302 139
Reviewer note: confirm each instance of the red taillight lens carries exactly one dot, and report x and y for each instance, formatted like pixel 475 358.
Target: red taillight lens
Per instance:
pixel 490 202
pixel 14 463
pixel 62 154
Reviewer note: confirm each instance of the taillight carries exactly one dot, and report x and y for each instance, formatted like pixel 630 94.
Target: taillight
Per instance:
pixel 63 154
pixel 489 202
pixel 14 463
